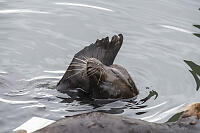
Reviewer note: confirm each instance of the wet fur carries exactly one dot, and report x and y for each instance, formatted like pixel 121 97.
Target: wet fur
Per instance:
pixel 104 51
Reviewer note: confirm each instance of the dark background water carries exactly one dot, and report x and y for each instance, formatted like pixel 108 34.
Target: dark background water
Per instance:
pixel 38 39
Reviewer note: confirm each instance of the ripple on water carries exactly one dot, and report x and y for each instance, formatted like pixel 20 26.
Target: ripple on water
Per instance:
pixel 153 107
pixel 39 105
pixel 176 28
pixel 56 72
pixel 43 77
pixel 14 11
pixel 163 115
pixel 16 102
pixel 84 5
pixel 15 93
pixel 2 72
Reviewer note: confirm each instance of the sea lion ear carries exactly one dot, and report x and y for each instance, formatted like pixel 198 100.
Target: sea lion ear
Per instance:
pixel 103 50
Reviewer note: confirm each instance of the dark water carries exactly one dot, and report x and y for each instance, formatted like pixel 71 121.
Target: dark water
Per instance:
pixel 38 38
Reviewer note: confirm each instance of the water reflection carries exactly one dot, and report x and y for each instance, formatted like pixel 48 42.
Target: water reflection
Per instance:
pixel 108 105
pixel 176 28
pixel 151 94
pixel 195 72
pixel 197 26
pixel 84 5
pixel 175 117
pixel 197 34
pixel 11 11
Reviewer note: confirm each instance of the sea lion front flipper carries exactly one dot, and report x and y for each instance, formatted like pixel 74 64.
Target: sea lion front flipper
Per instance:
pixel 103 50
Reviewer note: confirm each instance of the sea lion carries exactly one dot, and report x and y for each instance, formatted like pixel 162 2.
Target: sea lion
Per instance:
pixel 92 71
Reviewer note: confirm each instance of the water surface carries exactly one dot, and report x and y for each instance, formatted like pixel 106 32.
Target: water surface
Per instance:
pixel 38 39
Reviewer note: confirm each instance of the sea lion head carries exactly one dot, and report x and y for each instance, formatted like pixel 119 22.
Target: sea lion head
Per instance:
pixel 109 81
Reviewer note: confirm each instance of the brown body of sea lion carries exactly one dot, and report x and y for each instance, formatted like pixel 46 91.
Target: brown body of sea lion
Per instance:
pixel 93 72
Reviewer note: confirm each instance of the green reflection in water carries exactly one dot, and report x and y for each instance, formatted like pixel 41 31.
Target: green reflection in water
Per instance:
pixel 197 34
pixel 195 72
pixel 175 117
pixel 197 26
pixel 151 94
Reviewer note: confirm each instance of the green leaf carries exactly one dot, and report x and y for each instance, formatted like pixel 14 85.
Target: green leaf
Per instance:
pixel 175 117
pixel 196 34
pixel 198 26
pixel 151 94
pixel 195 72
pixel 196 79
pixel 193 66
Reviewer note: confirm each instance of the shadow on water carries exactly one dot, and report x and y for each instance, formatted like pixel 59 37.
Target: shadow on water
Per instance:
pixel 97 104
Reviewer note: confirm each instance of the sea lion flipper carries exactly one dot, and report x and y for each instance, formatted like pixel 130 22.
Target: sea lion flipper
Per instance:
pixel 103 50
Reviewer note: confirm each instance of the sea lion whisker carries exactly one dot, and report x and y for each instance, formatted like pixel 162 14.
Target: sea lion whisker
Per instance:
pixel 88 73
pixel 91 69
pixel 86 58
pixel 74 69
pixel 99 77
pixel 80 60
pixel 92 73
pixel 78 65
pixel 75 74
